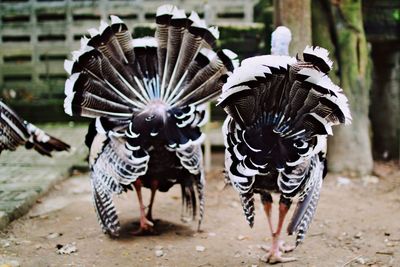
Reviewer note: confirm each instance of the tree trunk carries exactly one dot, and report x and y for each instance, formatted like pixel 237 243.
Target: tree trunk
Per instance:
pixel 338 26
pixel 296 15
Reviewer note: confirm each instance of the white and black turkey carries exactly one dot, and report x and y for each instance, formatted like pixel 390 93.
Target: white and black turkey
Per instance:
pixel 148 98
pixel 14 132
pixel 280 112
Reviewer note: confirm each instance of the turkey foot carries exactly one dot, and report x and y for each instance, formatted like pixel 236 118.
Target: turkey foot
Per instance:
pixel 146 228
pixel 276 257
pixel 283 247
pixel 274 254
pixel 149 217
pixel 153 188
pixel 146 225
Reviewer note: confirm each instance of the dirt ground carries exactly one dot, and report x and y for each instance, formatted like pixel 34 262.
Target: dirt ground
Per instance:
pixel 357 224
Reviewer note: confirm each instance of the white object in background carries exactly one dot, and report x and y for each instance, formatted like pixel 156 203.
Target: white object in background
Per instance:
pixel 280 40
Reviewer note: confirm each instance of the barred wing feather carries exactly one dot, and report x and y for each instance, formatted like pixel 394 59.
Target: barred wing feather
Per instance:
pixel 14 132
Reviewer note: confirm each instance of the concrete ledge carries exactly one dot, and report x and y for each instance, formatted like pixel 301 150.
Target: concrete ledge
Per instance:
pixel 25 175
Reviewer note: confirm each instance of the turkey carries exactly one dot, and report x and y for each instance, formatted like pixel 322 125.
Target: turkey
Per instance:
pixel 148 98
pixel 14 132
pixel 280 111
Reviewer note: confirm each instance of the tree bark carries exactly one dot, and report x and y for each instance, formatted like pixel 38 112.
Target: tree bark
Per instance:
pixel 296 15
pixel 338 26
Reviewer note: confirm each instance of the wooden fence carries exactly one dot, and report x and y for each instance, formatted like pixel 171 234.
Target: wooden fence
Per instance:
pixel 37 35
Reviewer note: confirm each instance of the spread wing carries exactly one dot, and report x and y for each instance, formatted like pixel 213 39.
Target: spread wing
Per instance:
pixel 13 132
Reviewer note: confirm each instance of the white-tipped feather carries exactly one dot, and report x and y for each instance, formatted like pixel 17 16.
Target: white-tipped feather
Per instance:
pixel 77 54
pixel 103 26
pixel 40 135
pixel 99 126
pixel 70 82
pixel 178 14
pixel 230 53
pixel 341 101
pixel 247 73
pixel 115 20
pixel 197 21
pixel 84 42
pixel 93 32
pixel 323 121
pixel 166 9
pixel 320 52
pixel 321 79
pixel 214 31
pixel 145 42
pixel 226 93
pixel 68 65
pixel 208 53
pixel 68 103
pixel 268 60
pixel 232 56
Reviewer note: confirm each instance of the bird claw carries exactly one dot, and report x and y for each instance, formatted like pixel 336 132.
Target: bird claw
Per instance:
pixel 274 254
pixel 146 228
pixel 283 247
pixel 149 223
pixel 273 258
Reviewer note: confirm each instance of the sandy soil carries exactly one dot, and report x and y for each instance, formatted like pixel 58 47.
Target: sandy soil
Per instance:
pixel 357 223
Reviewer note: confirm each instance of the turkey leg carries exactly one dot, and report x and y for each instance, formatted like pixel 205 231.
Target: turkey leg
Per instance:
pixel 146 226
pixel 154 187
pixel 275 251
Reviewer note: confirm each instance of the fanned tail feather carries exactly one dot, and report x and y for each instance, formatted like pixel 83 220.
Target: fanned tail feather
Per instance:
pixel 115 76
pixel 293 99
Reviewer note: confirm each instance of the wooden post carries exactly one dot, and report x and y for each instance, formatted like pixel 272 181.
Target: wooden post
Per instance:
pixel 249 11
pixel 69 40
pixel 34 44
pixel 103 9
